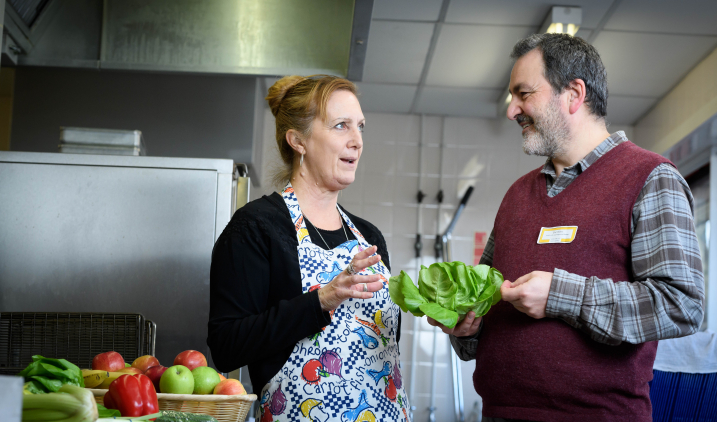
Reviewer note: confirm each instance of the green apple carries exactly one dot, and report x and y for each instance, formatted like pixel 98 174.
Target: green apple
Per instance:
pixel 177 379
pixel 205 379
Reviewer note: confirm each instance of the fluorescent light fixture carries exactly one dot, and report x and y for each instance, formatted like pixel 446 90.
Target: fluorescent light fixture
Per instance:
pixel 560 20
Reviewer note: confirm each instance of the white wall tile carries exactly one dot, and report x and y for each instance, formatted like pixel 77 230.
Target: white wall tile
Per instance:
pixel 405 218
pixel 378 188
pixel 405 189
pixel 380 215
pixel 406 159
pixel 378 158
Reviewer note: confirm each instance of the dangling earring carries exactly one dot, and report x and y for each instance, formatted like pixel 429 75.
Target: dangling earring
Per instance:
pixel 301 160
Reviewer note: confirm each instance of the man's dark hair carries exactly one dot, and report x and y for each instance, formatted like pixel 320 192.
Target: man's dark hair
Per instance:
pixel 568 58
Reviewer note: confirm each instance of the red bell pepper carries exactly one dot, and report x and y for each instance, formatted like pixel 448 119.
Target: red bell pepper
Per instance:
pixel 132 395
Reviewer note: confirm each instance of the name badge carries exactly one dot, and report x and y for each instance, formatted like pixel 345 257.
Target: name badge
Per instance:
pixel 563 234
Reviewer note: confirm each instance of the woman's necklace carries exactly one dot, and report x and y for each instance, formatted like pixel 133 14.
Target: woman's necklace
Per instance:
pixel 322 237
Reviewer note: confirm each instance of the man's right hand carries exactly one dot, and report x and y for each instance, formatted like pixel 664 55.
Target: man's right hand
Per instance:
pixel 468 327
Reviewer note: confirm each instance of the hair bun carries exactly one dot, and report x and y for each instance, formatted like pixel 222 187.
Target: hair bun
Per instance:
pixel 277 91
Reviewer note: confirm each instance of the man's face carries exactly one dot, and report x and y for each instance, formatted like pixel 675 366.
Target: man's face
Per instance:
pixel 536 108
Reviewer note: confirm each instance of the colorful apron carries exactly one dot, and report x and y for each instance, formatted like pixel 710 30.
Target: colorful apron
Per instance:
pixel 350 370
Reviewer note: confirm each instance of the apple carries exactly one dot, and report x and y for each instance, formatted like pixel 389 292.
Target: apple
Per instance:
pixel 130 370
pixel 155 374
pixel 145 362
pixel 177 379
pixel 191 359
pixel 229 387
pixel 221 377
pixel 205 379
pixel 108 361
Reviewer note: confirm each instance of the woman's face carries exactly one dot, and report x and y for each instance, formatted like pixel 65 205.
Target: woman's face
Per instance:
pixel 335 145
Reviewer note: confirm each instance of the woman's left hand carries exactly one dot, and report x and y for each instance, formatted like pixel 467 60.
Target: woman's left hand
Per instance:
pixel 345 285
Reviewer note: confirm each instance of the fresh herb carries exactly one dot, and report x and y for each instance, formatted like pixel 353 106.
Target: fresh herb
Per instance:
pixel 447 291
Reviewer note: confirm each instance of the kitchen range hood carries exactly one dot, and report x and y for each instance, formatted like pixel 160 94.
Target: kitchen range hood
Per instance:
pixel 248 37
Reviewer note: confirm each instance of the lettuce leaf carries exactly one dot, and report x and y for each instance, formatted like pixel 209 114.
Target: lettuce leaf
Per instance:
pixel 447 291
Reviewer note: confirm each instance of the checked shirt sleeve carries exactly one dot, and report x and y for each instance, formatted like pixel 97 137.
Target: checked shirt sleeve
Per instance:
pixel 465 347
pixel 666 299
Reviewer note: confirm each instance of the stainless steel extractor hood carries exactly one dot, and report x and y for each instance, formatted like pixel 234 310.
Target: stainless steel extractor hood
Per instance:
pixel 250 37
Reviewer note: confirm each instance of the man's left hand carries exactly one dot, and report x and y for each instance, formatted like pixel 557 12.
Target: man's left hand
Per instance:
pixel 529 293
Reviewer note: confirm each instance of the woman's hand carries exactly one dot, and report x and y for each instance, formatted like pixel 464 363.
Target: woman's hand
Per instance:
pixel 345 285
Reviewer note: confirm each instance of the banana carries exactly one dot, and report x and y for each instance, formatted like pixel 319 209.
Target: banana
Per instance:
pixel 111 376
pixel 94 378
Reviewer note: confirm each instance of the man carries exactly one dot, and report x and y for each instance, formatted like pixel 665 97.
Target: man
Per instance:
pixel 598 250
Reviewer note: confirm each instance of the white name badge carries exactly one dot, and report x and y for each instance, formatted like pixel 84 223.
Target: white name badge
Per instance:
pixel 563 234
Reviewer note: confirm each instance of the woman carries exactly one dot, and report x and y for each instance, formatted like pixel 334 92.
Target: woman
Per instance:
pixel 298 291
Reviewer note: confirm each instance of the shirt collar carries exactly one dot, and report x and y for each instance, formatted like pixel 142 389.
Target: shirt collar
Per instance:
pixel 609 143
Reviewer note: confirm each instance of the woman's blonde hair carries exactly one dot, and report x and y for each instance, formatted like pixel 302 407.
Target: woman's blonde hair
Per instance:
pixel 295 102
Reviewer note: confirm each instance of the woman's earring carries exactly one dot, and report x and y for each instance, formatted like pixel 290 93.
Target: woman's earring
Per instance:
pixel 301 160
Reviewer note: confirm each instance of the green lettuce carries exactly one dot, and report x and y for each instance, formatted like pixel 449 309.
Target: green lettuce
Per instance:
pixel 47 375
pixel 447 291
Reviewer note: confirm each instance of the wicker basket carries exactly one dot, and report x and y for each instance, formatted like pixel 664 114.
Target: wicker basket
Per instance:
pixel 224 408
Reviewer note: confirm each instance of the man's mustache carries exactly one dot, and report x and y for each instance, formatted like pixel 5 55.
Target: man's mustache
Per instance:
pixel 521 118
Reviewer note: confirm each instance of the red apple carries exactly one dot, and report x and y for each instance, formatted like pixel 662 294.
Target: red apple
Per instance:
pixel 229 387
pixel 108 361
pixel 191 359
pixel 155 374
pixel 145 362
pixel 222 377
pixel 130 370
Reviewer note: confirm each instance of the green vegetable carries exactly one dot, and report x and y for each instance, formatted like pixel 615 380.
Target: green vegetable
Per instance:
pixel 104 412
pixel 175 416
pixel 447 291
pixel 70 403
pixel 48 375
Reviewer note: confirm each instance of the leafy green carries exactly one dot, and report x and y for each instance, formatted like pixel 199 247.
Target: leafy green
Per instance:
pixel 104 412
pixel 47 375
pixel 447 291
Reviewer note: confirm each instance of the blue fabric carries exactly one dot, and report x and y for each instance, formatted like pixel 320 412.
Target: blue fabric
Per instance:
pixel 679 397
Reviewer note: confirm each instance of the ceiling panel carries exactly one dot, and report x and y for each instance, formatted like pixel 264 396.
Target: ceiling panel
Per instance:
pixel 520 12
pixel 475 56
pixel 412 10
pixel 649 64
pixel 626 110
pixel 458 102
pixel 666 16
pixel 386 98
pixel 396 51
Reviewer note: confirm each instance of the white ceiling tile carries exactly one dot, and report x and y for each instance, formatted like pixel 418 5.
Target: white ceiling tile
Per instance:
pixel 396 51
pixel 584 33
pixel 520 12
pixel 666 16
pixel 458 101
pixel 476 56
pixel 650 65
pixel 412 10
pixel 376 98
pixel 626 110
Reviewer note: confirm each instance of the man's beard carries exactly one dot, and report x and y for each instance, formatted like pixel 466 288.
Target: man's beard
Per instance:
pixel 550 132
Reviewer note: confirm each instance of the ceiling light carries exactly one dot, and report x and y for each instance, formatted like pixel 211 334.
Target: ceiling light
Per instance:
pixel 560 20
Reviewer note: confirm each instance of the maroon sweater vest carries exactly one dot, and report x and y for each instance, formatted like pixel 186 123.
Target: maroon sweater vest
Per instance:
pixel 545 369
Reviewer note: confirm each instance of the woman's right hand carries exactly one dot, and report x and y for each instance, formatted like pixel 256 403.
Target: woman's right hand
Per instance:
pixel 345 285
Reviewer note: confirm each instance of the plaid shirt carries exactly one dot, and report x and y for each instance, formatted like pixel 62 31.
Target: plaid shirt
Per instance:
pixel 666 299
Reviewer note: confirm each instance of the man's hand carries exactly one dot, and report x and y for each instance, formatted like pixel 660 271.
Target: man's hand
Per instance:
pixel 468 327
pixel 529 293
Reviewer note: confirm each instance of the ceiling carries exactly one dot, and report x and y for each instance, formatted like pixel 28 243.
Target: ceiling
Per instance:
pixel 451 57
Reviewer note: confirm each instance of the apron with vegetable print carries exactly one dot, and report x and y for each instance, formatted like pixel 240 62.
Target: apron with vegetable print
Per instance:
pixel 350 370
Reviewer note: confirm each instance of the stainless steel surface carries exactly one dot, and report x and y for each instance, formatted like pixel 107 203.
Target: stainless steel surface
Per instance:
pixel 99 149
pixel 85 233
pixel 270 37
pixel 83 135
pixel 711 282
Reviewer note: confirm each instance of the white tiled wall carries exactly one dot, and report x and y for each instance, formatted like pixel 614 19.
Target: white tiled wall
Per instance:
pixel 385 191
